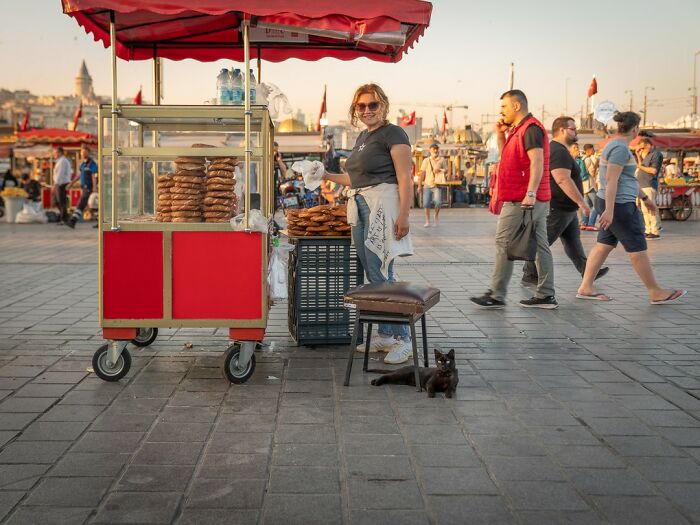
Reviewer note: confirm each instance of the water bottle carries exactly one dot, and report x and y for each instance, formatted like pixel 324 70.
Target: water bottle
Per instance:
pixel 223 87
pixel 236 87
pixel 253 88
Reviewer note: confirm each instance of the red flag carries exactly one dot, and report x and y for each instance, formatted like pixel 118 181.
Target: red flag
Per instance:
pixel 322 112
pixel 25 121
pixel 408 120
pixel 593 88
pixel 138 99
pixel 443 124
pixel 78 114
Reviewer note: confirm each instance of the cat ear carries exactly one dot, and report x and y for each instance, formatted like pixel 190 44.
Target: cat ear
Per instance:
pixel 438 353
pixel 451 354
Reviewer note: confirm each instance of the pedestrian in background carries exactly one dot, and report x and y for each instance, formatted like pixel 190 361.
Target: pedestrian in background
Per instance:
pixel 432 172
pixel 590 187
pixel 522 182
pixel 649 162
pixel 62 179
pixel 88 184
pixel 620 219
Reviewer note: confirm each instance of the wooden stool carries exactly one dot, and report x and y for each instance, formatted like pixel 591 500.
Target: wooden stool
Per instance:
pixel 390 303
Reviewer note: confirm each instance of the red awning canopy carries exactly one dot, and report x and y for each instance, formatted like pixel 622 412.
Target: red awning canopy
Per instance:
pixel 56 136
pixel 382 30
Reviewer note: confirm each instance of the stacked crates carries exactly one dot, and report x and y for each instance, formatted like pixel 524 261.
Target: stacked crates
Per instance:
pixel 321 270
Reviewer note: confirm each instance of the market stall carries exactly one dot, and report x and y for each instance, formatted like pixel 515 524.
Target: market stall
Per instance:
pixel 188 272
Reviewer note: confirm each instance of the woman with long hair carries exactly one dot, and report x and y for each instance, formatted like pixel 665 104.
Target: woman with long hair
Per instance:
pixel 378 172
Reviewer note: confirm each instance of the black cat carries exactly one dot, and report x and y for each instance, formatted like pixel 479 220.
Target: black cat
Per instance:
pixel 444 378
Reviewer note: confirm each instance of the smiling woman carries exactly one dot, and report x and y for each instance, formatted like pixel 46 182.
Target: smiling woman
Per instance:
pixel 379 175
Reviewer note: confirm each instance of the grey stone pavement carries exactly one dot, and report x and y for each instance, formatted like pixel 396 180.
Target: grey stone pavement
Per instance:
pixel 585 414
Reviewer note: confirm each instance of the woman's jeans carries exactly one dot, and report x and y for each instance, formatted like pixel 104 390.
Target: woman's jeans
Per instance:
pixel 372 264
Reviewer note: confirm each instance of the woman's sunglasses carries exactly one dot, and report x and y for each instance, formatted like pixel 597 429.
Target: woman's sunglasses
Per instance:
pixel 360 107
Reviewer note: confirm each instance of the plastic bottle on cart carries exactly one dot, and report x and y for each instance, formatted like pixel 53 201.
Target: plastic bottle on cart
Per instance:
pixel 236 87
pixel 223 87
pixel 253 88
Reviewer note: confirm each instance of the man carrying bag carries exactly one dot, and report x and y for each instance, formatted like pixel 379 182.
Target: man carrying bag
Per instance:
pixel 522 181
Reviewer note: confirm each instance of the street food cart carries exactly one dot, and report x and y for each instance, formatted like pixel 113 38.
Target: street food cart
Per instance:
pixel 198 274
pixel 681 194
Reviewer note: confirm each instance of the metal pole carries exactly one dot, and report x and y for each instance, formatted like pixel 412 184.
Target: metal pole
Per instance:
pixel 695 83
pixel 511 80
pixel 115 123
pixel 157 92
pixel 646 88
pixel 246 119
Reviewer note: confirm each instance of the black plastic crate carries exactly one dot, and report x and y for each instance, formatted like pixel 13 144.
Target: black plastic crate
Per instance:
pixel 321 270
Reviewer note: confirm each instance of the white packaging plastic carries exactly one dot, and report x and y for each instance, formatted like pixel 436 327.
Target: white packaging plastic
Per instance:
pixel 32 213
pixel 256 222
pixel 312 171
pixel 277 271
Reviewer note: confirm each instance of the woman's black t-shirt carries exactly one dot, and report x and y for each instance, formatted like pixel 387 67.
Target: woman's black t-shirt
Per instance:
pixel 370 161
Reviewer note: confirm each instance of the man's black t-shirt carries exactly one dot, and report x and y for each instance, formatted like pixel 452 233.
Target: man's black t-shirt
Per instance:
pixel 560 158
pixel 533 138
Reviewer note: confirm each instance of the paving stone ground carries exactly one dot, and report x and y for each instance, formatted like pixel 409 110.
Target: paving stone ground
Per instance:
pixel 585 414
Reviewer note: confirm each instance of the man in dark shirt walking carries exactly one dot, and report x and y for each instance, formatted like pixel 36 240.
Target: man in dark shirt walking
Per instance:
pixel 88 176
pixel 567 197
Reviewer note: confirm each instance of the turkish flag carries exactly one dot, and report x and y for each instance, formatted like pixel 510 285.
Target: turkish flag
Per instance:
pixel 138 99
pixel 78 114
pixel 443 124
pixel 408 120
pixel 322 111
pixel 25 121
pixel 593 88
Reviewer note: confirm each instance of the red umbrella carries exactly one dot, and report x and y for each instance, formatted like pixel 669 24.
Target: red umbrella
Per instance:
pixel 381 30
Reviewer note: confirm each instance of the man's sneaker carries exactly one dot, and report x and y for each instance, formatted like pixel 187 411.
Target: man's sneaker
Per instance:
pixel 400 354
pixel 486 301
pixel 547 303
pixel 71 222
pixel 653 236
pixel 379 344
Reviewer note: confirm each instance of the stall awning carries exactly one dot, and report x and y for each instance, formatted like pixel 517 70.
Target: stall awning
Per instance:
pixel 381 30
pixel 55 136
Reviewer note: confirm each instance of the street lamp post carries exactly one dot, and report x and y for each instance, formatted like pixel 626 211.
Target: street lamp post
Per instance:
pixel 631 94
pixel 646 88
pixel 695 83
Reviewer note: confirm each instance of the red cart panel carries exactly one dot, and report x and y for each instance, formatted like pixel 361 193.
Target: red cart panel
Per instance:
pixel 132 276
pixel 217 275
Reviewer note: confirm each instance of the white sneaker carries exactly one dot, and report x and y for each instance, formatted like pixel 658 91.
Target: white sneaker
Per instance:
pixel 379 343
pixel 400 354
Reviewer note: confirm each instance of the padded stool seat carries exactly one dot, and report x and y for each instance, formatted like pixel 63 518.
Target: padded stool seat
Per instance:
pixel 391 303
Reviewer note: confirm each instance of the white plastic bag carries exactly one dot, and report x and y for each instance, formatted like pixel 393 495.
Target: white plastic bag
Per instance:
pixel 312 172
pixel 277 102
pixel 256 222
pixel 93 201
pixel 277 271
pixel 32 213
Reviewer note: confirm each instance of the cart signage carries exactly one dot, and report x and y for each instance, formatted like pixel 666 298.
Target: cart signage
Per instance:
pixel 262 34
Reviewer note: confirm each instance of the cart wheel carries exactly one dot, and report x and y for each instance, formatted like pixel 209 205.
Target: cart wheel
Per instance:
pixel 681 208
pixel 145 336
pixel 115 372
pixel 233 373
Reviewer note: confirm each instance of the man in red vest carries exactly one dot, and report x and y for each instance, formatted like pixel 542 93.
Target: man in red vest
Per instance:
pixel 522 181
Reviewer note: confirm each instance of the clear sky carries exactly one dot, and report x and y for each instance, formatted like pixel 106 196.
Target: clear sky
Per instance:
pixel 463 59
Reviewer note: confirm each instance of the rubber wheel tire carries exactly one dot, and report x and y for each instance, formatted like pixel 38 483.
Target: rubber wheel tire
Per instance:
pixel 99 365
pixel 681 208
pixel 233 374
pixel 145 336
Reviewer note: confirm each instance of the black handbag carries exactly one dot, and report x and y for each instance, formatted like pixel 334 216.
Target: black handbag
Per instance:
pixel 522 246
